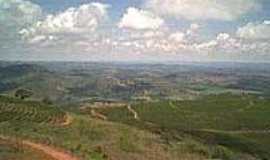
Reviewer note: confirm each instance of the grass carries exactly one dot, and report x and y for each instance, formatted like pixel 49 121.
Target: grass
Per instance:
pixel 178 130
pixel 238 143
pixel 93 139
pixel 84 137
pixel 16 110
pixel 13 151
pixel 222 113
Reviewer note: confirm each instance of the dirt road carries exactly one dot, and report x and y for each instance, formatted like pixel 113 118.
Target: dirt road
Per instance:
pixel 50 151
pixel 135 114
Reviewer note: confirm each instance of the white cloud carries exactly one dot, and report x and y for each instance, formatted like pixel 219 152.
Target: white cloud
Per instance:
pixel 223 36
pixel 78 29
pixel 163 43
pixel 38 38
pixel 255 31
pixel 101 7
pixel 206 45
pixel 15 15
pixel 177 36
pixel 203 9
pixel 18 13
pixel 193 29
pixel 151 34
pixel 139 19
pixel 194 26
pixel 84 19
pixel 225 44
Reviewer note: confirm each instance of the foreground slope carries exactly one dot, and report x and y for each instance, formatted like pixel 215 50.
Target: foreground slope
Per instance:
pixel 240 124
pixel 12 150
pixel 89 138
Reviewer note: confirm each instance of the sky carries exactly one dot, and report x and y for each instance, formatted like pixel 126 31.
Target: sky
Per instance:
pixel 135 30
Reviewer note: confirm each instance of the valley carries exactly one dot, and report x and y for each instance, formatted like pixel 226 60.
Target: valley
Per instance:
pixel 134 112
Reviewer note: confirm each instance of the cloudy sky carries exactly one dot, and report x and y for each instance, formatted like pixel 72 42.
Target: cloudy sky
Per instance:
pixel 135 30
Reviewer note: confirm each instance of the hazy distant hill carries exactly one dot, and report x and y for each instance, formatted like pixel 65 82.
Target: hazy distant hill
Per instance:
pixel 116 111
pixel 74 81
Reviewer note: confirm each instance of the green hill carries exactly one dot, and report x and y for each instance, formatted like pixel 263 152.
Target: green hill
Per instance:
pixel 238 123
pixel 17 110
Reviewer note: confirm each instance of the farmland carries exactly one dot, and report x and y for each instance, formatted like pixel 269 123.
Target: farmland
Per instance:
pixel 229 120
pixel 16 110
pixel 88 139
pixel 147 112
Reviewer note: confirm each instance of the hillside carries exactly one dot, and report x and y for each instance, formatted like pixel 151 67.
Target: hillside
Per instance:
pixel 88 138
pixel 15 151
pixel 135 112
pixel 238 124
pixel 69 82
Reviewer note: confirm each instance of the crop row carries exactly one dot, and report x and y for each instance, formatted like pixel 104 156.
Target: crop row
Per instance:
pixel 30 111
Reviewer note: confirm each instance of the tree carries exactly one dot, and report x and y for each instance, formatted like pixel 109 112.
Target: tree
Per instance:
pixel 47 101
pixel 23 93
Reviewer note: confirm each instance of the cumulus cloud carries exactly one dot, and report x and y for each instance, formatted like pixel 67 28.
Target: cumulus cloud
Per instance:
pixel 18 13
pixel 223 36
pixel 177 36
pixel 203 9
pixel 225 44
pixel 140 19
pixel 255 31
pixel 84 19
pixel 79 29
pixel 14 15
pixel 179 44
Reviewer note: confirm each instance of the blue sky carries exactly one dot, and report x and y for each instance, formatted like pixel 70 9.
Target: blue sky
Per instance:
pixel 135 30
pixel 119 7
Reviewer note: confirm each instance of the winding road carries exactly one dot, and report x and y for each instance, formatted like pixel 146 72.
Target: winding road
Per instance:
pixel 135 114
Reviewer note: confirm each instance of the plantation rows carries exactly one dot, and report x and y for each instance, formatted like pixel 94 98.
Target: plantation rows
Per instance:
pixel 239 122
pixel 224 112
pixel 29 111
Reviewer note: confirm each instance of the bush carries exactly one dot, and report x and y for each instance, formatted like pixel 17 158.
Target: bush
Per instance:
pixel 23 93
pixel 221 152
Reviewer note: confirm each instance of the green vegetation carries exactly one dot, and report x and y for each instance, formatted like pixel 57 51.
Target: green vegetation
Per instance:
pixel 178 112
pixel 214 126
pixel 87 138
pixel 17 110
pixel 14 151
pixel 65 83
pixel 93 139
pixel 220 112
pixel 222 121
pixel 23 93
